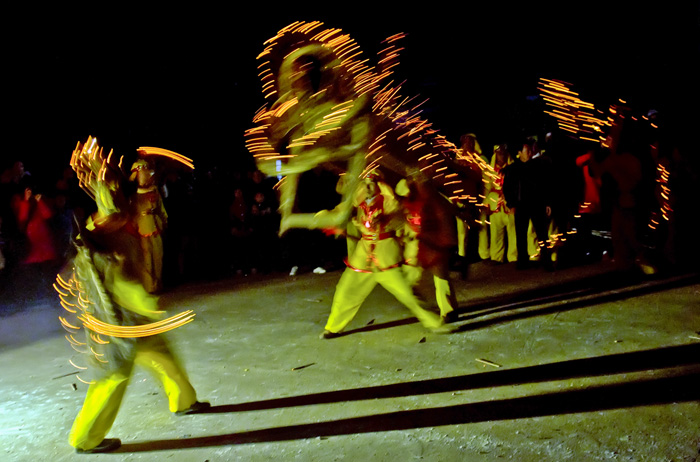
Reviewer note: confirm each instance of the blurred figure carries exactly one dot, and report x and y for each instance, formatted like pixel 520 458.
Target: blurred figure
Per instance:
pixel 70 206
pixel 108 271
pixel 178 200
pixel 376 259
pixel 526 193
pixel 33 249
pixel 12 184
pixel 33 214
pixel 264 223
pixel 148 220
pixel 472 217
pixel 502 219
pixel 624 170
pixel 429 240
pixel 590 209
pixel 241 231
pixel 660 226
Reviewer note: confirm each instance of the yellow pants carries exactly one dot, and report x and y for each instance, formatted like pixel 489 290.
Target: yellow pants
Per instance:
pixel 444 290
pixel 463 237
pixel 533 247
pixel 445 295
pixel 462 233
pixel 354 287
pixel 105 395
pixel 503 224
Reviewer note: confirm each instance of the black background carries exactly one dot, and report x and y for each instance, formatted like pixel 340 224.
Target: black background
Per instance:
pixel 185 78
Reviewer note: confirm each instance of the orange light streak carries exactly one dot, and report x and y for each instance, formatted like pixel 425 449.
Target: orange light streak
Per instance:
pixel 153 151
pixel 100 327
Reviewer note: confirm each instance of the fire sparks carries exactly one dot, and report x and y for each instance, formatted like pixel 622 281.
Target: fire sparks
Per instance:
pixel 303 122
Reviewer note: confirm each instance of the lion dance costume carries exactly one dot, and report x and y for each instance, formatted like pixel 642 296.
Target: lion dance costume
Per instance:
pixel 329 108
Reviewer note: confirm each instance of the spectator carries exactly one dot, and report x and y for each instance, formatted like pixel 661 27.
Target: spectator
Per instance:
pixel 525 190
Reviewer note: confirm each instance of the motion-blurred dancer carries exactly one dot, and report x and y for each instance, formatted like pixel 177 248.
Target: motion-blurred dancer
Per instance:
pixel 430 238
pixel 376 259
pixel 148 220
pixel 120 318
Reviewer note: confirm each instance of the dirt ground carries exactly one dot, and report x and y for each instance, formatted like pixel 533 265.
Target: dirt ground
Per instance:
pixel 575 365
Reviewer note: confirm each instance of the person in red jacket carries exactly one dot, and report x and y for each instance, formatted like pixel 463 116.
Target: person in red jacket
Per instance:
pixel 32 214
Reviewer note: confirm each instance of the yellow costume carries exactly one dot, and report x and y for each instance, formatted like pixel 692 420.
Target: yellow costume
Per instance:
pixel 148 221
pixel 502 218
pixel 104 396
pixel 377 259
pixel 106 285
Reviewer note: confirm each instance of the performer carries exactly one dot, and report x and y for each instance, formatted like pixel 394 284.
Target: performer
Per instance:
pixel 429 240
pixel 376 259
pixel 148 220
pixel 472 165
pixel 106 293
pixel 502 218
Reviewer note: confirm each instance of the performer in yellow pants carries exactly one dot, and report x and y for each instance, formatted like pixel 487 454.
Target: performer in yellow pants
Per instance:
pixel 472 163
pixel 429 239
pixel 354 287
pixel 117 356
pixel 148 219
pixel 376 259
pixel 104 396
pixel 107 300
pixel 502 218
pixel 444 289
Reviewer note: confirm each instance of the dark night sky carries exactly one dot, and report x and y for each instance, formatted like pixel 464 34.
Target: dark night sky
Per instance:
pixel 186 80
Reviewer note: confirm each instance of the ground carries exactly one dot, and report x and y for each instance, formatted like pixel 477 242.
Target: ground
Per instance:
pixel 572 365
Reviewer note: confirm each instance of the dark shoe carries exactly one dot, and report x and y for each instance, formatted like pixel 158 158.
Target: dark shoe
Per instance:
pixel 196 408
pixel 326 334
pixel 451 317
pixel 107 445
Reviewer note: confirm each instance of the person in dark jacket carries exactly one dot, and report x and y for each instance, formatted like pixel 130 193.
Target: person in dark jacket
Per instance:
pixel 527 190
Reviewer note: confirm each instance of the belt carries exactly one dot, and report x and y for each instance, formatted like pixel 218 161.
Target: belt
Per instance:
pixel 360 270
pixel 377 237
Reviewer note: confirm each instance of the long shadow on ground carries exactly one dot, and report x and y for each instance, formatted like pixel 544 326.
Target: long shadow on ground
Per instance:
pixel 545 300
pixel 669 385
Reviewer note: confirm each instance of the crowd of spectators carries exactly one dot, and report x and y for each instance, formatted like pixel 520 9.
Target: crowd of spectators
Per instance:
pixel 631 202
pixel 568 201
pixel 220 223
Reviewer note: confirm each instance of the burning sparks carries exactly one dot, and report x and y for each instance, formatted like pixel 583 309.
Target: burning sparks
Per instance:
pixel 84 316
pixel 152 151
pixel 100 175
pixel 145 330
pixel 350 89
pixel 573 115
